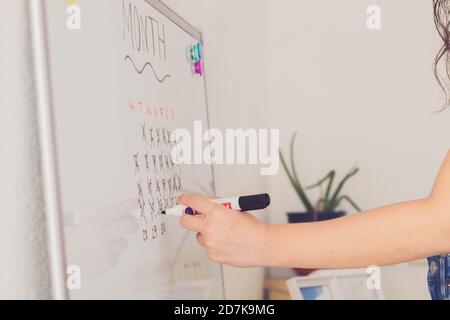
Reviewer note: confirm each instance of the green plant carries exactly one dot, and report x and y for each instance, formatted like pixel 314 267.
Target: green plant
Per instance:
pixel 330 199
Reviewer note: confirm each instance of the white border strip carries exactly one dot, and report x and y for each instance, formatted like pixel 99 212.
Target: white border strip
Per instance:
pixel 48 154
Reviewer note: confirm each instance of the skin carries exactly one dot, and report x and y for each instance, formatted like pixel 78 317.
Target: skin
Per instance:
pixel 388 235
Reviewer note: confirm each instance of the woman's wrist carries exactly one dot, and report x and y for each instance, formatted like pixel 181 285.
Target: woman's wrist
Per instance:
pixel 276 246
pixel 266 249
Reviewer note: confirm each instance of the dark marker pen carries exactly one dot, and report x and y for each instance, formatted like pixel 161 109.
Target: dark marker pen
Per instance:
pixel 244 203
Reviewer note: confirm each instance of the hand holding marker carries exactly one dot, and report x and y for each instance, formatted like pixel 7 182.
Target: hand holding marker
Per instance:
pixel 245 203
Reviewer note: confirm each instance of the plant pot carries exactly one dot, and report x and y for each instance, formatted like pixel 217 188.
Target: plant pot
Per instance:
pixel 305 217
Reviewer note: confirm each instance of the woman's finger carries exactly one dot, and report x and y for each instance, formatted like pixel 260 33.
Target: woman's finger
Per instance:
pixel 198 203
pixel 192 223
pixel 201 239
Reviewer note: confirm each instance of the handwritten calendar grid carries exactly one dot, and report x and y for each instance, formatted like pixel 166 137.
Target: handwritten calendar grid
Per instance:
pixel 158 180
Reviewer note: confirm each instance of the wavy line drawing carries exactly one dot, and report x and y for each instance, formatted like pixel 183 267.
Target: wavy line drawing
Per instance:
pixel 147 64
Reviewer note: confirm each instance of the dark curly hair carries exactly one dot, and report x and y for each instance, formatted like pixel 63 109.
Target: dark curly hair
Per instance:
pixel 442 21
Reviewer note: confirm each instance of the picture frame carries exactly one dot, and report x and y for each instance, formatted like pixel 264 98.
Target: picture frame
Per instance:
pixel 343 285
pixel 314 288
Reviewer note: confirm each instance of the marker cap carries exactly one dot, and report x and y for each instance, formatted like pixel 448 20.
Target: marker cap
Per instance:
pixel 257 202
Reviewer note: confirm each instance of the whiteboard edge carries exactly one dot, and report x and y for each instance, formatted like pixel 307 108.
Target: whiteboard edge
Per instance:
pixel 222 279
pixel 50 178
pixel 175 18
pixel 186 26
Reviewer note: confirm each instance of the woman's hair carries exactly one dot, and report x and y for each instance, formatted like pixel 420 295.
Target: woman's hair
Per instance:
pixel 442 22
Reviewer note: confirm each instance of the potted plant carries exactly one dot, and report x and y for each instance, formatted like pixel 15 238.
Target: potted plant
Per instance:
pixel 330 200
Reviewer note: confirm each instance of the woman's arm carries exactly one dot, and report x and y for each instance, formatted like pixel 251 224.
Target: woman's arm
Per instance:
pixel 388 235
pixel 382 236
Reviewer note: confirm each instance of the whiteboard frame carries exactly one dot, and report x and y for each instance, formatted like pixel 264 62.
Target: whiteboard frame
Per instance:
pixel 175 18
pixel 49 164
pixel 47 138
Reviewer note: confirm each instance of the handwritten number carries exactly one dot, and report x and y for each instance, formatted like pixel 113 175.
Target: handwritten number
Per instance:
pixel 157 188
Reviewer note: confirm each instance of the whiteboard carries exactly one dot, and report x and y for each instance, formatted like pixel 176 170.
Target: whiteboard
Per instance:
pixel 111 94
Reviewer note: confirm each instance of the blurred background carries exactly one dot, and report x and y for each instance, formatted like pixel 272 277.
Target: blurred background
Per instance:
pixel 355 96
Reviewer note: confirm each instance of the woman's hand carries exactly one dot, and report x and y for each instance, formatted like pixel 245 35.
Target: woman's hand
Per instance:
pixel 230 237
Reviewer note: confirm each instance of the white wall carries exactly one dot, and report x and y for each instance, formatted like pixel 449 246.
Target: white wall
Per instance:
pixel 236 50
pixel 354 96
pixel 358 96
